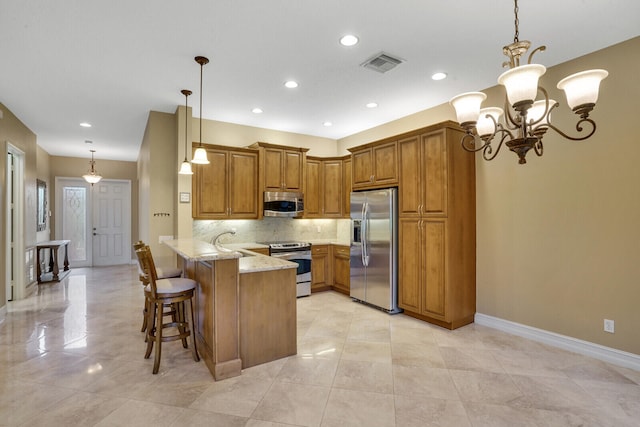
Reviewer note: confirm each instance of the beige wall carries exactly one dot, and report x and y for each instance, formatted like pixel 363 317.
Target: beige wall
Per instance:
pixel 558 240
pixel 14 132
pixel 157 171
pixel 43 173
pixel 221 133
pixel 109 169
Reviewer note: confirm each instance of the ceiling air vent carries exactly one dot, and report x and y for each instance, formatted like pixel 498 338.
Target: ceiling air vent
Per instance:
pixel 382 62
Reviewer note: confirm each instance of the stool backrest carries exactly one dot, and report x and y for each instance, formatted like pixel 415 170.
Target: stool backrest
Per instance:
pixel 145 259
pixel 139 245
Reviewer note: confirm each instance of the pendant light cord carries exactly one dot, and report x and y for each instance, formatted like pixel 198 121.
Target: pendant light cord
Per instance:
pixel 186 94
pixel 515 12
pixel 200 137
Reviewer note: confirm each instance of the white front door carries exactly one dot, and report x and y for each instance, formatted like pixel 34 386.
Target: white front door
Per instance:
pixel 73 223
pixel 111 222
pixel 96 219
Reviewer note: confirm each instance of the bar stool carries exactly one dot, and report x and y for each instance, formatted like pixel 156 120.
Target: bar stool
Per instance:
pixel 162 292
pixel 163 273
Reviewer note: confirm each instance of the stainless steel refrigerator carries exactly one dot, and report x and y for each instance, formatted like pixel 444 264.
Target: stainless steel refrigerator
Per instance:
pixel 374 253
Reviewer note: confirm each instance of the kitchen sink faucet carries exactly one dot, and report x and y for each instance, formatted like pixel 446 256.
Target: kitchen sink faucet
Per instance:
pixel 214 240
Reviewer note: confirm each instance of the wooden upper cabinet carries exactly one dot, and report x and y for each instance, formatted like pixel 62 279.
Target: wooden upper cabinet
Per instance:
pixel 313 189
pixel 332 200
pixel 281 167
pixel 323 188
pixel 423 174
pixel 362 172
pixel 227 187
pixel 411 188
pixel 375 165
pixel 435 173
pixel 243 184
pixel 346 185
pixel 292 170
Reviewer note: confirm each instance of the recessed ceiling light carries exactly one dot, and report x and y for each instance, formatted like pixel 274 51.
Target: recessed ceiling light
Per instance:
pixel 291 84
pixel 85 125
pixel 372 105
pixel 327 124
pixel 348 40
pixel 439 76
pixel 257 110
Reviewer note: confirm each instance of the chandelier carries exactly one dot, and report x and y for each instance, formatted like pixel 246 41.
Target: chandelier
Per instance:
pixel 92 176
pixel 526 119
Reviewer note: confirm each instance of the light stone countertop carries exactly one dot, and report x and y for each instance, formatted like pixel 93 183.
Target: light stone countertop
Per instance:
pixel 248 262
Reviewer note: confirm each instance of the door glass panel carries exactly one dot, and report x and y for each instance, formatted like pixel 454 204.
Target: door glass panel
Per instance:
pixel 74 227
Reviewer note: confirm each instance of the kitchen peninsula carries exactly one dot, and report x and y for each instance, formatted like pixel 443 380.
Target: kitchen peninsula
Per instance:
pixel 245 305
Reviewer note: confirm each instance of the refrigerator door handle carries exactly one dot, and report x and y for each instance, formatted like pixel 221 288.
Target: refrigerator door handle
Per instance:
pixel 363 228
pixel 365 234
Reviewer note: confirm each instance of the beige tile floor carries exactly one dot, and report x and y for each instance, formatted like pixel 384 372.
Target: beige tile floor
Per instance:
pixel 73 355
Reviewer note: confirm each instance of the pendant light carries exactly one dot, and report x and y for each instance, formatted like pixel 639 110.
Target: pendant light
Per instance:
pixel 200 155
pixel 185 168
pixel 92 176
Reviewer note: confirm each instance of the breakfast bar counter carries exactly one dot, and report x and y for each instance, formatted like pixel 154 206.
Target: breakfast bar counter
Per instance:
pixel 245 305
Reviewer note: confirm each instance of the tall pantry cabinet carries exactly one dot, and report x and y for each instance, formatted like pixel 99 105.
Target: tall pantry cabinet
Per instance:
pixel 436 227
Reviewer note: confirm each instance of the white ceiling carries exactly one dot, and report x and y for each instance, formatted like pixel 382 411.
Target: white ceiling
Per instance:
pixel 110 62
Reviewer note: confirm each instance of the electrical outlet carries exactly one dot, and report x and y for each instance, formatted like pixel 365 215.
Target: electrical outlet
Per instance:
pixel 609 326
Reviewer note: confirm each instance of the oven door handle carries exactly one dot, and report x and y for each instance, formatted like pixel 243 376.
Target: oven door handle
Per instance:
pixel 296 255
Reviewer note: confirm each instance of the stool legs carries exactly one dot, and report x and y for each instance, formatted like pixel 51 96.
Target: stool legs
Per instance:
pixel 156 326
pixel 192 326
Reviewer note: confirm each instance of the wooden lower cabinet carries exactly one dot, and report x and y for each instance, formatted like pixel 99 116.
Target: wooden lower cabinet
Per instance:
pixel 430 285
pixel 267 316
pixel 320 268
pixel 341 269
pixel 261 251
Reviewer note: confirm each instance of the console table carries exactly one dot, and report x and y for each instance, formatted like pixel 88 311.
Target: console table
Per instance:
pixel 53 246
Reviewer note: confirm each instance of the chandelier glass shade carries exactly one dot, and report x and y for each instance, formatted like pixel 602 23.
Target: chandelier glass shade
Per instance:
pixel 92 176
pixel 527 111
pixel 185 167
pixel 200 155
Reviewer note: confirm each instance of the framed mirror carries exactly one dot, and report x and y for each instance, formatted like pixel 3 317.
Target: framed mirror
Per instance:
pixel 41 189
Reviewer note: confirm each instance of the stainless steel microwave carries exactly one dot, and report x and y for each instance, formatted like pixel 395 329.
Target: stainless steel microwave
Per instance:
pixel 283 204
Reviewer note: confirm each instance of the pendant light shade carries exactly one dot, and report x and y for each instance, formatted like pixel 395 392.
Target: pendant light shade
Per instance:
pixel 521 83
pixel 185 168
pixel 92 176
pixel 200 155
pixel 467 106
pixel 582 88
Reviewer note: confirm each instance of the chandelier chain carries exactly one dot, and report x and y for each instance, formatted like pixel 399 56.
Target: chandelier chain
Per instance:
pixel 515 12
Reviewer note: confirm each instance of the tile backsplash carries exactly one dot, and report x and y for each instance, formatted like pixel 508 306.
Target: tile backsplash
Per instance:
pixel 273 230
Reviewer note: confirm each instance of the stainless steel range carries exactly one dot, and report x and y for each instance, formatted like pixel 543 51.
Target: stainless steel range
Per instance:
pixel 300 253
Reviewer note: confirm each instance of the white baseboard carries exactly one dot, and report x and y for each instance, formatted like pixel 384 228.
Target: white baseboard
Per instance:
pixel 3 312
pixel 597 351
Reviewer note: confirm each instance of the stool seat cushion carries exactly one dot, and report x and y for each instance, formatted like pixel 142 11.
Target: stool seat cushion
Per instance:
pixel 167 272
pixel 173 285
